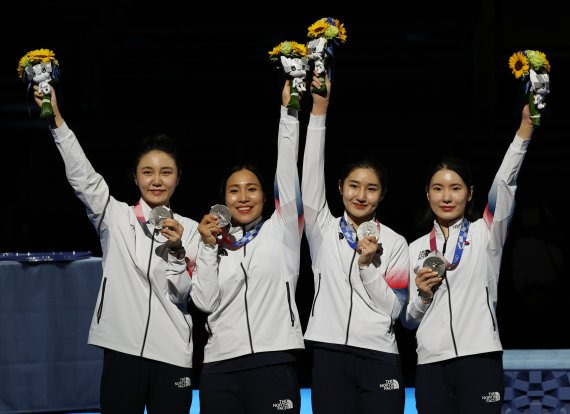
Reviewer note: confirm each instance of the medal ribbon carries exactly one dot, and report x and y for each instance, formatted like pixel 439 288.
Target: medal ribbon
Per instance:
pixel 458 248
pixel 247 237
pixel 349 233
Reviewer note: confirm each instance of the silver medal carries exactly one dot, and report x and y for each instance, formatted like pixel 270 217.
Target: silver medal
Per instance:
pixel 157 216
pixel 436 264
pixel 222 213
pixel 368 228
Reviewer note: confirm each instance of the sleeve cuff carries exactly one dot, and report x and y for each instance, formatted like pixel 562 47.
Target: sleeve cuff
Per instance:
pixel 317 121
pixel 519 143
pixel 61 132
pixel 368 273
pixel 210 249
pixel 289 115
pixel 422 307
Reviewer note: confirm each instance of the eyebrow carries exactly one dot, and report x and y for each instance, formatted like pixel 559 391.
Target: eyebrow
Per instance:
pixel 360 182
pixel 238 184
pixel 443 185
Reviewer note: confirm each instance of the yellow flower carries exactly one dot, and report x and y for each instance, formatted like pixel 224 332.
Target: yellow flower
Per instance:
pixel 41 55
pixel 518 64
pixel 34 57
pixel 288 48
pixel 341 32
pixel 546 63
pixel 318 28
pixel 276 50
pixel 299 49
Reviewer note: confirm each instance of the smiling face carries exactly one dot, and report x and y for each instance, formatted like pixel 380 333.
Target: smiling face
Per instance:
pixel 361 193
pixel 244 196
pixel 448 195
pixel 157 177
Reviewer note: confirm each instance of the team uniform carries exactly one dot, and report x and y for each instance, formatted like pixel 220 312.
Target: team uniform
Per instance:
pixel 140 318
pixel 356 366
pixel 253 323
pixel 459 350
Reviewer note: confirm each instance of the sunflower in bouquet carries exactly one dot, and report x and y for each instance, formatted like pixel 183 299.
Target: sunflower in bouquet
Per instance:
pixel 533 68
pixel 40 67
pixel 324 34
pixel 292 58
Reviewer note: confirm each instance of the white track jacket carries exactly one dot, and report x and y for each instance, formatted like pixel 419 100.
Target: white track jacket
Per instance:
pixel 141 306
pixel 461 320
pixel 251 300
pixel 351 306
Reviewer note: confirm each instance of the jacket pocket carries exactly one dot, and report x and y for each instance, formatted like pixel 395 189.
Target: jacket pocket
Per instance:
pixel 490 311
pixel 316 296
pixel 291 313
pixel 209 329
pixel 100 309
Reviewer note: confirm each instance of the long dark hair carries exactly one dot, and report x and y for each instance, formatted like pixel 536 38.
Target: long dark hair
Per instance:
pixel 158 142
pixel 367 163
pixel 461 168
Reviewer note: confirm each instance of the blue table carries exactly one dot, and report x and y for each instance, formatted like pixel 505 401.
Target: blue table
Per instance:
pixel 45 313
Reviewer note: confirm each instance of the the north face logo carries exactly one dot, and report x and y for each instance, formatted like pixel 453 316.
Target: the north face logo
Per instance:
pixel 183 383
pixel 423 254
pixel 390 384
pixel 283 405
pixel 492 397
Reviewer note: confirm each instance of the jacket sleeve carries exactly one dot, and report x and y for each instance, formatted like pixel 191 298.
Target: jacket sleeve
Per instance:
pixel 501 200
pixel 317 213
pixel 89 186
pixel 179 271
pixel 205 287
pixel 388 291
pixel 415 308
pixel 288 208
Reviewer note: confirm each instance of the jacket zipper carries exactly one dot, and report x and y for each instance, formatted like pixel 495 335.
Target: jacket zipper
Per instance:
pixel 351 293
pixel 100 310
pixel 316 296
pixel 149 295
pixel 490 311
pixel 449 302
pixel 246 308
pixel 291 313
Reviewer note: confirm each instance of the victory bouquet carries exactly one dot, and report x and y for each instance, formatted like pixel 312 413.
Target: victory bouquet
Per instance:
pixel 41 67
pixel 325 33
pixel 292 58
pixel 532 67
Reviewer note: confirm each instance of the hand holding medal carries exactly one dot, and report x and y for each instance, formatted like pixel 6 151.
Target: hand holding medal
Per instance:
pixel 368 234
pixel 292 58
pixel 212 223
pixel 222 213
pixel 40 67
pixel 157 216
pixel 435 263
pixel 532 67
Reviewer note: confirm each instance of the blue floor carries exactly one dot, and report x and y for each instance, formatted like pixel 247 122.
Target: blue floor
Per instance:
pixel 306 402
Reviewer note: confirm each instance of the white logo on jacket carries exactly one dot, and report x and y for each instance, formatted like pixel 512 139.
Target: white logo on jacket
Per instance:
pixel 183 383
pixel 391 384
pixel 283 405
pixel 492 397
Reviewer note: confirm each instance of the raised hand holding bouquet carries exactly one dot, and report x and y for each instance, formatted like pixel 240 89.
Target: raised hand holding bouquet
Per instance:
pixel 41 67
pixel 532 67
pixel 325 33
pixel 292 58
